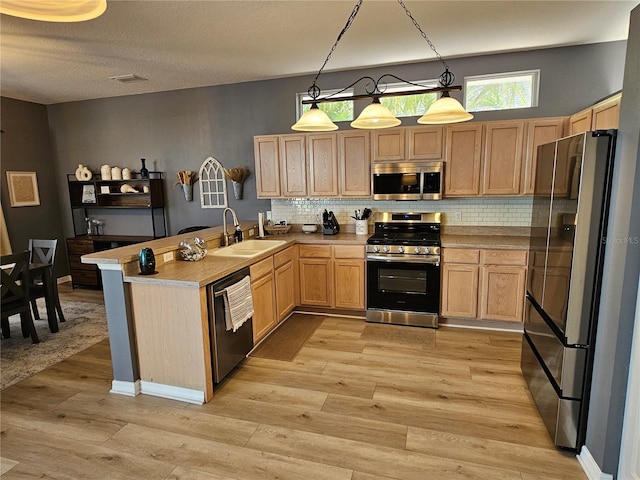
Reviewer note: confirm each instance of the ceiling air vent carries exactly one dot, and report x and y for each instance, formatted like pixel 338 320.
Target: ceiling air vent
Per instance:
pixel 129 78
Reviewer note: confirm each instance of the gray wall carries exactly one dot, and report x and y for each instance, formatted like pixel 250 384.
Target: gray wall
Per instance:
pixel 177 130
pixel 26 148
pixel 620 282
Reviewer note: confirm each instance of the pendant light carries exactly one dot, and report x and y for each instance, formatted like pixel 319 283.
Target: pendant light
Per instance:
pixel 314 120
pixel 54 10
pixel 376 115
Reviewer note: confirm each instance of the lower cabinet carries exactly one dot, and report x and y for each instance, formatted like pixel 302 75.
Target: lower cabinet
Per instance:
pixel 332 276
pixel 285 283
pixel 264 299
pixel 487 284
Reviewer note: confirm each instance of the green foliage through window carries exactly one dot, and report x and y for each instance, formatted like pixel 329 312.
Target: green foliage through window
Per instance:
pixel 501 91
pixel 337 111
pixel 409 105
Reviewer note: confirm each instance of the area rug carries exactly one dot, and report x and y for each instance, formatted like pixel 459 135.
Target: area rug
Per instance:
pixel 86 325
pixel 288 339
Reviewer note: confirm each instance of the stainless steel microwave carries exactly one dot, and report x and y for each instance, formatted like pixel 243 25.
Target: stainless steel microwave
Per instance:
pixel 407 181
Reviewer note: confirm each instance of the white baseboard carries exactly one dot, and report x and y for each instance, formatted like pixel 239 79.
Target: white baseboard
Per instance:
pixel 174 393
pixel 130 389
pixel 590 466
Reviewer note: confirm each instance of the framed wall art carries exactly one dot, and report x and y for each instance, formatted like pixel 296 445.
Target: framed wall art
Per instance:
pixel 23 189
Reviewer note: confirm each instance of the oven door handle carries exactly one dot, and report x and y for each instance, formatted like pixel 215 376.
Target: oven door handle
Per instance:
pixel 431 259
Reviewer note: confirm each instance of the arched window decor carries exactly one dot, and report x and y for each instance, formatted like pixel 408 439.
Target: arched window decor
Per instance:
pixel 213 187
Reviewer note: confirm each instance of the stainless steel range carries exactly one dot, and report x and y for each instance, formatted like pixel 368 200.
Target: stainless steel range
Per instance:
pixel 403 269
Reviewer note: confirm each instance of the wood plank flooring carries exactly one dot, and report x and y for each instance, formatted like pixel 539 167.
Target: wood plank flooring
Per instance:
pixel 359 402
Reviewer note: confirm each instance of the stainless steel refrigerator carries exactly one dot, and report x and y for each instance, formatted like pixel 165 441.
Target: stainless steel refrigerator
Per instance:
pixel 566 252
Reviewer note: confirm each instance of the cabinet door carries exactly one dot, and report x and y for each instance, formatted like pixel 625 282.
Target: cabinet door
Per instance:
pixel 502 293
pixel 502 158
pixel 267 166
pixel 354 163
pixel 580 122
pixel 425 143
pixel 293 170
pixel 316 282
pixel 388 144
pixel 540 131
pixel 606 114
pixel 349 283
pixel 459 290
pixel 463 153
pixel 323 165
pixel 285 288
pixel 264 306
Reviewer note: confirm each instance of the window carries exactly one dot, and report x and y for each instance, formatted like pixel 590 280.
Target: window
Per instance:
pixel 501 91
pixel 341 111
pixel 410 105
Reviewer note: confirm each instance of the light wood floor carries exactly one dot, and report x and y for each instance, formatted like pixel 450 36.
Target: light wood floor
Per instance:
pixel 360 402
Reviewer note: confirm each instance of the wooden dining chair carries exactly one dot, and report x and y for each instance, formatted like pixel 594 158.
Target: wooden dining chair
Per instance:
pixel 15 294
pixel 42 251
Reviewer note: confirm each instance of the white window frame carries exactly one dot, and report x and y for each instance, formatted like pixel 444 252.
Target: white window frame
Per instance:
pixel 346 95
pixel 535 85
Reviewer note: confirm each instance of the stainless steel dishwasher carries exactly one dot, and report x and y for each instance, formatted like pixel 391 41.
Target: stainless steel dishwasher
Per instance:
pixel 228 348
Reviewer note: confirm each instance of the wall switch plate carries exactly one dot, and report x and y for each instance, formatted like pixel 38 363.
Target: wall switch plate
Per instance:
pixel 167 257
pixel 252 232
pixel 458 216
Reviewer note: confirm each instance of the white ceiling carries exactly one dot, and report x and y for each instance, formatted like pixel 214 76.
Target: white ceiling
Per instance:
pixel 182 44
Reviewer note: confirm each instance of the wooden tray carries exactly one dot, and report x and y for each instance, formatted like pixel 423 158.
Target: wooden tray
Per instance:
pixel 277 229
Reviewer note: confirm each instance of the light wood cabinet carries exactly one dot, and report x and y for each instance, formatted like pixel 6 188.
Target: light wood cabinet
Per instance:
pixel 539 132
pixel 264 300
pixel 267 166
pixel 580 122
pixel 425 142
pixel 293 165
pixel 459 296
pixel 322 155
pixel 285 282
pixel 354 163
pixel 502 159
pixel 606 114
pixel 487 284
pixel 463 149
pixel 332 276
pixel 388 144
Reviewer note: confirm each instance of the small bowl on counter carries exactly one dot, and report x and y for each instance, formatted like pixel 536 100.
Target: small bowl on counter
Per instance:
pixel 309 228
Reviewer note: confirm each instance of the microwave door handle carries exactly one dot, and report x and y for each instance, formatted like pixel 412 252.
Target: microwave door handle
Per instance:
pixel 421 173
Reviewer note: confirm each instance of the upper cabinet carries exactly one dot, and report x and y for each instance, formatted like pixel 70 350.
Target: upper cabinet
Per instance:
pixel 354 163
pixel 602 116
pixel 323 164
pixel 424 142
pixel 267 160
pixel 293 166
pixel 539 131
pixel 388 144
pixel 502 157
pixel 463 147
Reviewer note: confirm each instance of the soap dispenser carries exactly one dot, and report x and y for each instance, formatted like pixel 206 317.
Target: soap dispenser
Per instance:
pixel 238 234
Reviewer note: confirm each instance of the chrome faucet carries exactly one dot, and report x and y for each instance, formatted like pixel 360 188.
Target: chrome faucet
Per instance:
pixel 224 224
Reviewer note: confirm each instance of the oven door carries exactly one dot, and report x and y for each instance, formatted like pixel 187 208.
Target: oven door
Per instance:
pixel 404 285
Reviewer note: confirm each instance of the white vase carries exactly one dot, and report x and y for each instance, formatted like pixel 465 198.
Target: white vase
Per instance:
pixel 126 174
pixel 83 173
pixel 105 172
pixel 116 173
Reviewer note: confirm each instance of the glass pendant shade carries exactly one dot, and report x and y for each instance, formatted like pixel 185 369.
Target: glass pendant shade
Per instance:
pixel 445 110
pixel 54 10
pixel 375 116
pixel 314 120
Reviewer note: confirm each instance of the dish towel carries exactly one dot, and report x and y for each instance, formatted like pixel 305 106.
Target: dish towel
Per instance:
pixel 238 304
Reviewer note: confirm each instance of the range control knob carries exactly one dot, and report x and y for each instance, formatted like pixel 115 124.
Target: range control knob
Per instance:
pixel 385 249
pixel 426 250
pixel 417 250
pixel 376 248
pixel 400 249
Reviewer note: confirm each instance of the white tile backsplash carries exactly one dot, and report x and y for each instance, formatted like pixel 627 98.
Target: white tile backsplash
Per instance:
pixel 508 211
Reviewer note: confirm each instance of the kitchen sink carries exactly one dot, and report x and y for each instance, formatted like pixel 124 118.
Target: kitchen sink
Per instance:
pixel 248 248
